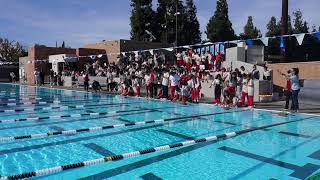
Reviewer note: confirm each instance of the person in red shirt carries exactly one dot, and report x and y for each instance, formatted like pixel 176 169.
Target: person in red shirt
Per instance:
pixel 153 88
pixel 190 52
pixel 218 61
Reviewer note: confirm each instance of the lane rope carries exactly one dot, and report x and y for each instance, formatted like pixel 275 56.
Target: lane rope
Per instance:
pixel 57 169
pixel 62 107
pixel 12 103
pixel 65 116
pixel 100 128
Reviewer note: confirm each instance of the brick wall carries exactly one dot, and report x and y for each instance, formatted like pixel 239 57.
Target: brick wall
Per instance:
pixel 307 71
pixel 88 51
pixel 109 47
pixel 40 53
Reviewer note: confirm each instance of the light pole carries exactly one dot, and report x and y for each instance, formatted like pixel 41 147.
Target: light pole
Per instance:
pixel 284 29
pixel 176 14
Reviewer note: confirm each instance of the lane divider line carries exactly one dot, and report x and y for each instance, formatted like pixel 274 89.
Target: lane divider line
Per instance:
pixel 45 99
pixel 61 107
pixel 57 169
pixel 99 128
pixel 47 102
pixel 21 99
pixel 65 116
pixel 92 118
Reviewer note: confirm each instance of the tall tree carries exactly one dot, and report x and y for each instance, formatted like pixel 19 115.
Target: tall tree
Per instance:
pixel 314 28
pixel 219 27
pixel 192 26
pixel 299 24
pixel 142 21
pixel 290 28
pixel 171 16
pixel 63 45
pixel 11 50
pixel 273 28
pixel 250 31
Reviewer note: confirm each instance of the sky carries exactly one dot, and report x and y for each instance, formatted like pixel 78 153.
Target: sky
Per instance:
pixel 79 22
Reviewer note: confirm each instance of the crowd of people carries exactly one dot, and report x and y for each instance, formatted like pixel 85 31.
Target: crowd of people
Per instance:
pixel 178 81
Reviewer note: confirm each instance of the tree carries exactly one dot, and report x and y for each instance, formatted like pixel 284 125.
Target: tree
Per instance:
pixel 299 24
pixel 192 27
pixel 219 27
pixel 314 28
pixel 273 28
pixel 11 50
pixel 142 21
pixel 167 12
pixel 250 31
pixel 63 45
pixel 290 28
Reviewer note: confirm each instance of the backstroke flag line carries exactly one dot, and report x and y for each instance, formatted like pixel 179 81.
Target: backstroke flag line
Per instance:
pixel 265 41
pixel 300 38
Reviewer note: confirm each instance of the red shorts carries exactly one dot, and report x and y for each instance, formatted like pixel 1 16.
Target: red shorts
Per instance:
pixel 138 91
pixel 180 62
pixel 232 90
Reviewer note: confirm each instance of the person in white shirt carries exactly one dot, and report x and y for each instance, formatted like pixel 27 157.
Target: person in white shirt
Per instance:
pixel 244 89
pixel 174 83
pixel 165 84
pixel 266 74
pixel 243 70
pixel 196 85
pixel 136 85
pixel 293 77
pixel 179 59
pixel 250 90
pixel 147 83
pixel 109 80
pixel 217 83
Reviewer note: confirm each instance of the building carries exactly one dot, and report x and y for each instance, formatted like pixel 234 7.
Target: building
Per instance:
pixel 38 55
pixel 38 59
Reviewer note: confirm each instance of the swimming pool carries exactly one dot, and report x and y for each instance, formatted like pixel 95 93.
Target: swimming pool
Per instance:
pixel 43 128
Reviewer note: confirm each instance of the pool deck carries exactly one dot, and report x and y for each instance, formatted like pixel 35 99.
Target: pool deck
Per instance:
pixel 276 105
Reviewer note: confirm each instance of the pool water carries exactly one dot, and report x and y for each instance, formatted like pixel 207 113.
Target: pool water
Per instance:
pixel 287 151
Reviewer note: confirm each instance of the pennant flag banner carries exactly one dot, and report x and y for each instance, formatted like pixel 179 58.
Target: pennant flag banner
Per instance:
pixel 265 41
pixel 221 50
pixel 169 49
pixel 135 53
pixel 249 42
pixel 151 52
pixel 317 34
pixel 299 38
pixel 234 42
pixel 216 48
pixel 208 43
pixel 282 45
pixel 100 55
pixel 93 56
